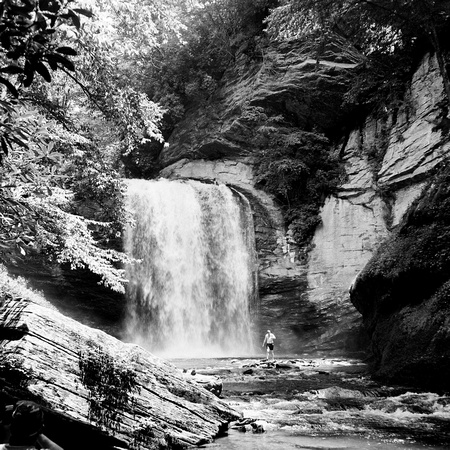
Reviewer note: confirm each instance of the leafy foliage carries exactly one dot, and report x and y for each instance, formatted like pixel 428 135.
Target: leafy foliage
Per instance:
pixel 384 34
pixel 370 26
pixel 27 36
pixel 39 201
pixel 109 92
pixel 29 46
pixel 300 169
pixel 110 386
pixel 60 188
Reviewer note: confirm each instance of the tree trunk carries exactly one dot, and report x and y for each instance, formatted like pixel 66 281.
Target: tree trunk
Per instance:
pixel 440 59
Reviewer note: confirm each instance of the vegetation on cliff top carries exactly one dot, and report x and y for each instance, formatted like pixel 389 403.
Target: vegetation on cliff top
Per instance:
pixel 387 34
pixel 90 83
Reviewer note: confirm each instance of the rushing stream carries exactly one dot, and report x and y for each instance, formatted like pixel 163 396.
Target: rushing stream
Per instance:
pixel 192 291
pixel 322 404
pixel 191 294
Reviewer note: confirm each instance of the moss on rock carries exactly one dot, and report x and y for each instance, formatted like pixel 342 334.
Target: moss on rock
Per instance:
pixel 404 293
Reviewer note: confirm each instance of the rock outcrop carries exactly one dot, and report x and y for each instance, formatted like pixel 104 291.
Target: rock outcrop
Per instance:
pixel 403 294
pixel 287 82
pixel 217 143
pixel 388 160
pixel 98 391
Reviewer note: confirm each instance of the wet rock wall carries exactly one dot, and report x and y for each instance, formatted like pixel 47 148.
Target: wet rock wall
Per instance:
pixel 387 160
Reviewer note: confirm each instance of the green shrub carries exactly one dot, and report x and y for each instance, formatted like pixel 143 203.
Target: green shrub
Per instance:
pixel 300 169
pixel 110 386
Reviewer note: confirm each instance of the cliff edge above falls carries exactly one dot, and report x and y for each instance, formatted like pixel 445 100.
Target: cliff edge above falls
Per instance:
pixel 287 88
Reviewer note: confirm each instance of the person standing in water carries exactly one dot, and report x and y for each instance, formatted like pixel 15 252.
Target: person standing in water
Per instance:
pixel 269 339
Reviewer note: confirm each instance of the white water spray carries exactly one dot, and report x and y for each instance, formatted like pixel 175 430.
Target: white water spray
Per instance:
pixel 191 293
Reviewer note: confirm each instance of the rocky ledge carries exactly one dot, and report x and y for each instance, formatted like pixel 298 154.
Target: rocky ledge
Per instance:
pixel 99 392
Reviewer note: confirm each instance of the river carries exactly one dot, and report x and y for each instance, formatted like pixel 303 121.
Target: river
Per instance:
pixel 195 291
pixel 322 403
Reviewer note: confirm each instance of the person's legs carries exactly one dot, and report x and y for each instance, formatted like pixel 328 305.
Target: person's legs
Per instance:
pixel 270 351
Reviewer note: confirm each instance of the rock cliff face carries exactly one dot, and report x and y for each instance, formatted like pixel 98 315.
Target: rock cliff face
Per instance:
pixel 98 391
pixel 217 143
pixel 306 297
pixel 402 293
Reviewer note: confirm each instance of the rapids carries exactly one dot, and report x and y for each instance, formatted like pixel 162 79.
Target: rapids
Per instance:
pixel 324 404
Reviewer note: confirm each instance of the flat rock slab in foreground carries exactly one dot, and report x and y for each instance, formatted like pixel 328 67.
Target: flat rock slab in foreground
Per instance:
pixel 90 379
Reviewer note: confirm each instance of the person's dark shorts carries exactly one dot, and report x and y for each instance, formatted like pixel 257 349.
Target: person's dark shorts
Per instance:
pixel 269 346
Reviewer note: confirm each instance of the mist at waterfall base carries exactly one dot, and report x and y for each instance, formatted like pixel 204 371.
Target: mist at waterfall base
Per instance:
pixel 190 293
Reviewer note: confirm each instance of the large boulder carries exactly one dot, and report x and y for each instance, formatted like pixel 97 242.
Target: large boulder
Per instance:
pixel 404 294
pixel 100 392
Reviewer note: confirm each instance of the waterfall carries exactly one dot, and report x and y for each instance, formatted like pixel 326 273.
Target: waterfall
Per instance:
pixel 191 292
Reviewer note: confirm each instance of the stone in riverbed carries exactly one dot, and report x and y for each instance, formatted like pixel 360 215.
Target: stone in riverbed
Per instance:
pixel 259 426
pixel 208 382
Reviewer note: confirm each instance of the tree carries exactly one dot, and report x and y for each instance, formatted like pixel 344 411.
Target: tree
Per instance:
pixel 52 160
pixel 38 201
pixel 28 43
pixel 373 28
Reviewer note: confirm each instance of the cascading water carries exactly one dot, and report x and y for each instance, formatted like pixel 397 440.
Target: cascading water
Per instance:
pixel 190 294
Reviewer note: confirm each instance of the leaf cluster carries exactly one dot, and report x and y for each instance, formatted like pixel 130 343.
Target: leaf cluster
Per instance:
pixel 110 386
pixel 27 39
pixel 29 46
